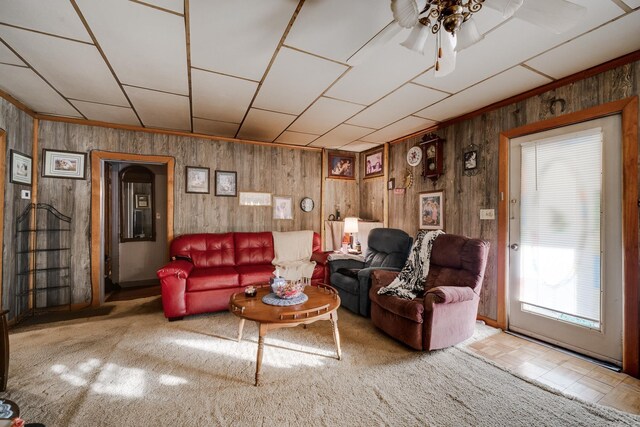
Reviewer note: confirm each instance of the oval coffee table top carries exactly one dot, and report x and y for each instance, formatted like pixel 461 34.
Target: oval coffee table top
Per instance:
pixel 323 299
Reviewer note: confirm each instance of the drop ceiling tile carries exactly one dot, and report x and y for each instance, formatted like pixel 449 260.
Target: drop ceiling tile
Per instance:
pixel 295 80
pixel 107 113
pixel 324 115
pixel 174 5
pixel 237 37
pixel 51 16
pixel 401 103
pixel 399 129
pixel 75 69
pixel 341 135
pixel 381 72
pixel 145 46
pixel 212 127
pixel 261 125
pixel 632 3
pixel 345 35
pixel 8 57
pixel 296 138
pixel 611 41
pixel 510 44
pixel 219 97
pixel 359 146
pixel 28 88
pixel 159 109
pixel 509 83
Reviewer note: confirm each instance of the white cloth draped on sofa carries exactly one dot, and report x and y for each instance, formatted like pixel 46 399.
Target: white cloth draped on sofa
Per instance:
pixel 293 250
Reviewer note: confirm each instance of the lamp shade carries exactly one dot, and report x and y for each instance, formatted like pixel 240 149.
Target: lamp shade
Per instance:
pixel 417 38
pixel 350 225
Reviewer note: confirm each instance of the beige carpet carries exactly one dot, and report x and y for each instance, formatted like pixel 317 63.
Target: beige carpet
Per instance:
pixel 132 367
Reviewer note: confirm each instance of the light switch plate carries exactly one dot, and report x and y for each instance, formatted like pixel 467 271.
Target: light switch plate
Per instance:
pixel 487 214
pixel 25 194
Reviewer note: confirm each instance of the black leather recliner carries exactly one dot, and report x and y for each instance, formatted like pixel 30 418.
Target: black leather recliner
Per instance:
pixel 388 250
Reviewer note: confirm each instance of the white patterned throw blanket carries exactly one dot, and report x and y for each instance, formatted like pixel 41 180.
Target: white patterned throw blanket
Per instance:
pixel 410 281
pixel 293 250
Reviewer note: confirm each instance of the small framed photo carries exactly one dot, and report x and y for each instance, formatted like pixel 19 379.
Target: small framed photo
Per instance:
pixel 470 160
pixel 63 164
pixel 391 184
pixel 142 201
pixel 431 210
pixel 282 207
pixel 197 180
pixel 226 183
pixel 255 199
pixel 342 166
pixel 374 163
pixel 21 167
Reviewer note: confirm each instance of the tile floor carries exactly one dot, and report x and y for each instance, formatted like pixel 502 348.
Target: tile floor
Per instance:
pixel 564 372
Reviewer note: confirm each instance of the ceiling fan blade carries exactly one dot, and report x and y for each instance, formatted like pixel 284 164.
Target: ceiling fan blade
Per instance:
pixel 447 63
pixel 406 12
pixel 379 40
pixel 557 16
pixel 506 7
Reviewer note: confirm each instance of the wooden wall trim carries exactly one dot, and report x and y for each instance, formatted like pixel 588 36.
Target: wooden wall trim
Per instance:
pixel 96 199
pixel 169 132
pixel 581 75
pixel 34 200
pixel 19 105
pixel 385 195
pixel 323 189
pixel 3 170
pixel 628 108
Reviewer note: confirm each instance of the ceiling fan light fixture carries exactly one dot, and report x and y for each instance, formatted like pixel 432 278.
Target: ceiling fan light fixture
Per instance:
pixel 452 18
pixel 405 12
pixel 417 38
pixel 468 35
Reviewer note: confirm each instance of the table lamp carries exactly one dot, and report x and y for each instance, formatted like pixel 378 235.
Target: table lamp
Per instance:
pixel 350 227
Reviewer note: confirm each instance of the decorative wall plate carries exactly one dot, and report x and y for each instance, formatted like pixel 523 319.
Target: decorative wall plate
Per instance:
pixel 307 204
pixel 414 155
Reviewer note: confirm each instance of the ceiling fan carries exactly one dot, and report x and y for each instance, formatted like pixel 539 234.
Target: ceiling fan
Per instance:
pixel 452 24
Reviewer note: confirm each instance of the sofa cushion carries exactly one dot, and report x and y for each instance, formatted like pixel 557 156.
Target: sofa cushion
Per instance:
pixel 253 248
pixel 409 309
pixel 202 279
pixel 346 283
pixel 255 274
pixel 205 250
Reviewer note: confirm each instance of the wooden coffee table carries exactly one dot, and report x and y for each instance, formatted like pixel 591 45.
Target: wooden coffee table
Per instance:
pixel 322 304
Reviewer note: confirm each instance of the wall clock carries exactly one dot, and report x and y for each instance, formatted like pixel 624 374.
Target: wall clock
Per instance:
pixel 414 155
pixel 307 204
pixel 433 165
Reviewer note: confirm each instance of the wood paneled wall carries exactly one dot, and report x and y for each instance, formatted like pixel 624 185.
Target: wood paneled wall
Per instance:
pixel 19 136
pixel 371 194
pixel 277 170
pixel 345 193
pixel 465 196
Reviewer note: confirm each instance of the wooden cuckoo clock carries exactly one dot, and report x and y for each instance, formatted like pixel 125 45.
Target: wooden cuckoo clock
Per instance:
pixel 433 163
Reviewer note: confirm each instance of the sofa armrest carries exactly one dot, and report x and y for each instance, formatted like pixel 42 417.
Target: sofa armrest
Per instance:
pixel 366 273
pixel 382 277
pixel 320 257
pixel 450 294
pixel 178 268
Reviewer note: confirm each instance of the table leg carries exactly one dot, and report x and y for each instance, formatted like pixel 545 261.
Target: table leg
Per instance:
pixel 240 328
pixel 263 332
pixel 336 334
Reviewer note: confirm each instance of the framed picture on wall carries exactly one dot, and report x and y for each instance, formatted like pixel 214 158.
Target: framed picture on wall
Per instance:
pixel 142 201
pixel 197 180
pixel 21 167
pixel 374 163
pixel 431 210
pixel 226 184
pixel 63 164
pixel 282 207
pixel 342 166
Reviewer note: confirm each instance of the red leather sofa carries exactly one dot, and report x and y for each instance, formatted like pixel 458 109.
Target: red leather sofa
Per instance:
pixel 207 268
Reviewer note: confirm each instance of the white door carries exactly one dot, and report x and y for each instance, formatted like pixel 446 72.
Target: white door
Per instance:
pixel 565 236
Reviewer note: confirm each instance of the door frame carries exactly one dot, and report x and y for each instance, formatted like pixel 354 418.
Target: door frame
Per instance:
pixel 628 108
pixel 3 172
pixel 97 160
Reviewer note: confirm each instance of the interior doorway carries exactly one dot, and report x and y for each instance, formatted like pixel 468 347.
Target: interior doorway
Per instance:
pixel 138 200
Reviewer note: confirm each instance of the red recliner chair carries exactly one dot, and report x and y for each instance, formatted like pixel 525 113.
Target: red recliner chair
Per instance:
pixel 445 314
